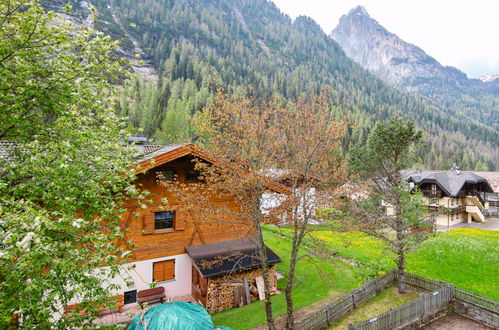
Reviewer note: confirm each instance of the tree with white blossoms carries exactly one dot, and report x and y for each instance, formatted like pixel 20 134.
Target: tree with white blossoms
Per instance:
pixel 64 169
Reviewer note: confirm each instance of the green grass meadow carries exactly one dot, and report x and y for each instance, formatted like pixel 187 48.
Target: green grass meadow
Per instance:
pixel 467 258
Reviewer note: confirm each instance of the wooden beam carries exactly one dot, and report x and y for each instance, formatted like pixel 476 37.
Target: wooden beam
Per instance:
pixel 247 291
pixel 198 230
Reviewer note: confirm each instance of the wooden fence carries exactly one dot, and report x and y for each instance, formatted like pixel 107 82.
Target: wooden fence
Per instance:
pixel 464 295
pixel 425 305
pixel 342 306
pixel 475 299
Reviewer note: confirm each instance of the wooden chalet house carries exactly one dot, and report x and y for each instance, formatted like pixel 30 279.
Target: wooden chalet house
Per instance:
pixel 456 196
pixel 492 199
pixel 170 247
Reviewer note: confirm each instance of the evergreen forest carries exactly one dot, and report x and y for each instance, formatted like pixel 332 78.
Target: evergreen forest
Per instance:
pixel 248 47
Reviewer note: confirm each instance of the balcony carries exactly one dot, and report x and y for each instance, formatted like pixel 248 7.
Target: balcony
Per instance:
pixel 456 210
pixel 432 193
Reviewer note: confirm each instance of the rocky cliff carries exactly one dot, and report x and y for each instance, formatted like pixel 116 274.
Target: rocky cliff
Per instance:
pixel 408 67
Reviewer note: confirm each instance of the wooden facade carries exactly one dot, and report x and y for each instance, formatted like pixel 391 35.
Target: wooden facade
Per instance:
pixel 160 233
pixel 150 243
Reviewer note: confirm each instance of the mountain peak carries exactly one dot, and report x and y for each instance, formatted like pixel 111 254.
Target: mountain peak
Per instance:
pixel 359 10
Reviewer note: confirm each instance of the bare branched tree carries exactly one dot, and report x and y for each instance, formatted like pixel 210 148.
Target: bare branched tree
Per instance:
pixel 288 154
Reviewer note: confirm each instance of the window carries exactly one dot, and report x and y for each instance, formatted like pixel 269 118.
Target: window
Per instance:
pixel 163 270
pixel 192 176
pixel 163 220
pixel 167 175
pixel 433 201
pixel 434 187
pixel 130 297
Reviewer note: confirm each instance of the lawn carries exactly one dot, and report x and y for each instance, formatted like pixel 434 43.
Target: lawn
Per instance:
pixel 467 258
pixel 311 287
pixel 384 301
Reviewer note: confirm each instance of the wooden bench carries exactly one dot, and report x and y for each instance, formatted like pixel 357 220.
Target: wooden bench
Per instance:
pixel 118 301
pixel 151 295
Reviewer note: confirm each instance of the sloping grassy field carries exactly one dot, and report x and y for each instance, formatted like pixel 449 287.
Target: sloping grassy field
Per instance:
pixel 467 258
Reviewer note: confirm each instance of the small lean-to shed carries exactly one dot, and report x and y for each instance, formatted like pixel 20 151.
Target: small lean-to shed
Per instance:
pixel 228 274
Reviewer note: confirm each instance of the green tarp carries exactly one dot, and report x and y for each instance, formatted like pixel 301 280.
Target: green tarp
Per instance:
pixel 174 316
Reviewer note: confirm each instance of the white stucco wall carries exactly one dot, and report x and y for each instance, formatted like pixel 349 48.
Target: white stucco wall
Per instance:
pixel 141 277
pixel 270 201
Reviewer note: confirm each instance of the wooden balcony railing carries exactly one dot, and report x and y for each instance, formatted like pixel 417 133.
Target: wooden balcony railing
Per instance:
pixel 432 193
pixel 456 210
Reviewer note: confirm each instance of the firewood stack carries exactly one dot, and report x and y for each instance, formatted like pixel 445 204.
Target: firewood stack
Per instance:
pixel 238 289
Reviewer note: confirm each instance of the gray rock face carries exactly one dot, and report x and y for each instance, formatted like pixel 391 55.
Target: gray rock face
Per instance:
pixel 368 43
pixel 408 67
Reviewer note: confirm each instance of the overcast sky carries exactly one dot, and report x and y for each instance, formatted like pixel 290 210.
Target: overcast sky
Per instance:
pixel 460 33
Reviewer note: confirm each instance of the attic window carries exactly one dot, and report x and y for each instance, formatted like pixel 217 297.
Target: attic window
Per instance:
pixel 166 176
pixel 192 176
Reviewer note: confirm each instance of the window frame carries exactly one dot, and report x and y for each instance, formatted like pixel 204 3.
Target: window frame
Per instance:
pixel 172 221
pixel 166 279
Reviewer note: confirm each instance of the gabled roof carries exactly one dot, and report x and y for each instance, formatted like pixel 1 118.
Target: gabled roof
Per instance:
pixel 492 178
pixel 225 257
pixel 451 182
pixel 154 156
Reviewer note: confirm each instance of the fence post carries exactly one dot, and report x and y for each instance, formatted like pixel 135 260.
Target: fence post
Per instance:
pixel 353 299
pixel 350 327
pixel 327 318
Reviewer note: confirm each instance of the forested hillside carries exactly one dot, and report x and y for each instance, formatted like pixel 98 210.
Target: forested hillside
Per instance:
pixel 249 46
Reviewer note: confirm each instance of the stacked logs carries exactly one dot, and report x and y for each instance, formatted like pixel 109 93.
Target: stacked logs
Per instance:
pixel 237 289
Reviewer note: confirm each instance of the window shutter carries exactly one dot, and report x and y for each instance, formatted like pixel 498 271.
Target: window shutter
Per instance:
pixel 164 270
pixel 169 269
pixel 180 218
pixel 149 223
pixel 158 272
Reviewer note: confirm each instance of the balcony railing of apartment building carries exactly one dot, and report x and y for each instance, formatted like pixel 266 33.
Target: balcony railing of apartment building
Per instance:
pixel 447 210
pixel 456 210
pixel 432 193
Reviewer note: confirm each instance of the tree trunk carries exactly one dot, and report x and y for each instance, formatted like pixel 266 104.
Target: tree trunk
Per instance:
pixel 290 321
pixel 266 273
pixel 400 247
pixel 300 227
pixel 401 271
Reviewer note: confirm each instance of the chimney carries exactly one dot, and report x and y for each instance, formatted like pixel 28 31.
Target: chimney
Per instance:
pixel 139 142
